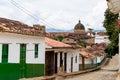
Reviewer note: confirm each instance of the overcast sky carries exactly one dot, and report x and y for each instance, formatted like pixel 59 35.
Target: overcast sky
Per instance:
pixel 57 14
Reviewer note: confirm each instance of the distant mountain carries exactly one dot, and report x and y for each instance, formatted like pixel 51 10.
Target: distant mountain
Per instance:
pixel 57 30
pixel 99 30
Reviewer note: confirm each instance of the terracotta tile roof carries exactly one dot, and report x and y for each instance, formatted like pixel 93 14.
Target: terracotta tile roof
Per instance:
pixel 87 55
pixel 92 52
pixel 101 33
pixel 68 35
pixel 56 44
pixel 12 26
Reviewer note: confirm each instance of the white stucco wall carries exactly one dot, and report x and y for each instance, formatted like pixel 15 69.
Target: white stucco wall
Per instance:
pixel 73 54
pixel 89 61
pixel 14 53
pixel 75 65
pixel 101 39
pixel 69 62
pixel 70 53
pixel 99 59
pixel 14 41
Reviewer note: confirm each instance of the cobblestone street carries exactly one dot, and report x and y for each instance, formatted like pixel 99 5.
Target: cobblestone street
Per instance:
pixel 96 75
pixel 109 72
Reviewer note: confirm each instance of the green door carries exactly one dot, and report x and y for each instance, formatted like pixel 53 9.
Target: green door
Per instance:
pixel 22 60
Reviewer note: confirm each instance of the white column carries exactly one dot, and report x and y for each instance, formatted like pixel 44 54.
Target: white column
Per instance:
pixel 58 60
pixel 63 58
pixel 68 62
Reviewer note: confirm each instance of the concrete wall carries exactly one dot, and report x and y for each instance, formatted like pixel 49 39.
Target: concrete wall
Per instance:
pixel 14 41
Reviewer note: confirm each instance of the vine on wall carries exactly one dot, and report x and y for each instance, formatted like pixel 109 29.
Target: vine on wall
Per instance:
pixel 112 30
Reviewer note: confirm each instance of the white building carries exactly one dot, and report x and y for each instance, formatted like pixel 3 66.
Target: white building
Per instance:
pixel 101 39
pixel 60 57
pixel 22 50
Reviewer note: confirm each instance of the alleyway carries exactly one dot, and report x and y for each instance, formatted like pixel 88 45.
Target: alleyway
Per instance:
pixel 109 72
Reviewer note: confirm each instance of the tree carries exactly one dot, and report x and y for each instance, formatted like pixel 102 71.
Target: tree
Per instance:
pixel 59 38
pixel 112 31
pixel 81 43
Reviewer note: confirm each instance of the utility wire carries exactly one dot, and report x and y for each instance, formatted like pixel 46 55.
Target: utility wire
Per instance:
pixel 29 13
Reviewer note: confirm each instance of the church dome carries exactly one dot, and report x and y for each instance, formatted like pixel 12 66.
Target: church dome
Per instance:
pixel 79 27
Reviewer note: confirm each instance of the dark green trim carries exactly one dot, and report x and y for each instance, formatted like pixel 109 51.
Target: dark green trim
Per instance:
pixel 36 50
pixel 22 60
pixel 5 48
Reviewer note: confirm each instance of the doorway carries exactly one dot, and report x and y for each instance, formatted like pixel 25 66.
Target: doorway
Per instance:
pixel 49 63
pixel 22 60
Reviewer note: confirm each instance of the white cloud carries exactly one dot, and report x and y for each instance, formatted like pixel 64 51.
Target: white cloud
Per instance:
pixel 62 14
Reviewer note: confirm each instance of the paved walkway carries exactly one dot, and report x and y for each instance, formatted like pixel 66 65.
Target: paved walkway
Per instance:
pixel 113 63
pixel 108 72
pixel 96 75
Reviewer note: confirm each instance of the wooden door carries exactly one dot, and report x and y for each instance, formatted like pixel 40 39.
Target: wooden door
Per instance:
pixel 22 60
pixel 49 63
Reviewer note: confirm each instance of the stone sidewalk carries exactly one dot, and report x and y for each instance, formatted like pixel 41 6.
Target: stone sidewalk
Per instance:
pixel 96 75
pixel 113 64
pixel 108 72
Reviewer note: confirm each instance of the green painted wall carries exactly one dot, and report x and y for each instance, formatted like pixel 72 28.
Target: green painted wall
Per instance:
pixel 34 70
pixel 9 71
pixel 12 71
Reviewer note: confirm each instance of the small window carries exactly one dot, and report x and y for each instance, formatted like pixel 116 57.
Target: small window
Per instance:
pixel 5 53
pixel 36 50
